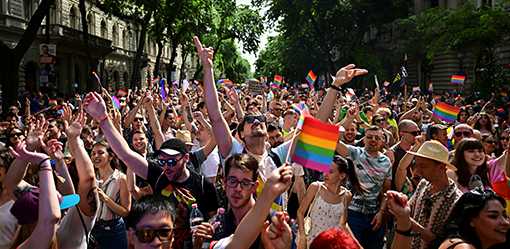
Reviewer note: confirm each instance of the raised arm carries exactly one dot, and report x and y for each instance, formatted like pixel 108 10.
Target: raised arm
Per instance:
pixel 84 167
pixel 344 75
pixel 220 126
pixel 253 223
pixel 49 210
pixel 95 107
pixel 132 114
pixel 403 165
pixel 153 121
pixel 54 148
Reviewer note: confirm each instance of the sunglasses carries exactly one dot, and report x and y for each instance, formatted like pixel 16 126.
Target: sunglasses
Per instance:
pixel 168 162
pixel 379 120
pixel 148 235
pixel 251 119
pixel 490 142
pixel 18 134
pixel 138 119
pixel 414 133
pixel 232 182
pixel 463 134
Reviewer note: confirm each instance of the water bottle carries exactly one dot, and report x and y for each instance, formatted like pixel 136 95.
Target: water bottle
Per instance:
pixel 195 218
pixel 219 221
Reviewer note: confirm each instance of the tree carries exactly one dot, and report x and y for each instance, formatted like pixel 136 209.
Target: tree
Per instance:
pixel 468 30
pixel 236 23
pixel 324 35
pixel 9 65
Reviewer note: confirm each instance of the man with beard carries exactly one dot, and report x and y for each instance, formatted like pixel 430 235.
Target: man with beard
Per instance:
pixel 373 169
pixel 54 132
pixel 167 175
pixel 252 128
pixel 349 136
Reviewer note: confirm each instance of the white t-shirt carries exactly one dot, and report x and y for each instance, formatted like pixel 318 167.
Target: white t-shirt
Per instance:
pixel 209 167
pixel 8 225
pixel 70 233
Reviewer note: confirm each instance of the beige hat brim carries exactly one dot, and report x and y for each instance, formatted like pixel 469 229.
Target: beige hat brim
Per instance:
pixel 448 164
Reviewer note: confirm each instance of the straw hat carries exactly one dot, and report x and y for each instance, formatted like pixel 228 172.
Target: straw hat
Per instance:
pixel 436 151
pixel 185 136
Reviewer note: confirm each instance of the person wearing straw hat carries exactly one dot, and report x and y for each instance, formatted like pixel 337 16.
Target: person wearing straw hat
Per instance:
pixel 434 197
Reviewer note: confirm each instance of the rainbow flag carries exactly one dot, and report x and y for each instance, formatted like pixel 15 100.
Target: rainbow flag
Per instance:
pixel 301 108
pixel 277 83
pixel 225 82
pixel 458 79
pixel 315 146
pixel 311 77
pixel 445 112
pixel 116 102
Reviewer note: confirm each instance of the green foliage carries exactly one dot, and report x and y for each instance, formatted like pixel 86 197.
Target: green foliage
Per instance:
pixel 322 35
pixel 230 64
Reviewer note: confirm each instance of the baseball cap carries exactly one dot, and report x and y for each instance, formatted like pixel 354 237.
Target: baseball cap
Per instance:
pixel 173 147
pixel 26 206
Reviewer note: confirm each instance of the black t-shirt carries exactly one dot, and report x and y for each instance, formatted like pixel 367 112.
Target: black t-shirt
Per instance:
pixel 398 153
pixel 229 228
pixel 203 191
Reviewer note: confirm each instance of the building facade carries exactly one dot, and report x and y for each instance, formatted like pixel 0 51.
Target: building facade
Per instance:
pixel 59 58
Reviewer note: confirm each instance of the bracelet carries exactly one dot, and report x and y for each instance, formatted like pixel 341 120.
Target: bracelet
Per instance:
pixel 407 233
pixel 44 160
pixel 335 87
pixel 45 169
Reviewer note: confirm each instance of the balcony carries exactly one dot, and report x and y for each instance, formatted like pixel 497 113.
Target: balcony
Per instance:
pixel 69 38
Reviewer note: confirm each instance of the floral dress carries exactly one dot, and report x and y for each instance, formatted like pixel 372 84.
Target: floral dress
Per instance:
pixel 325 215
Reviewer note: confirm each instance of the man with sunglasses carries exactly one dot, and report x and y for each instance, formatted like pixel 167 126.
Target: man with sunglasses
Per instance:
pixel 151 223
pixel 408 131
pixel 167 175
pixel 252 128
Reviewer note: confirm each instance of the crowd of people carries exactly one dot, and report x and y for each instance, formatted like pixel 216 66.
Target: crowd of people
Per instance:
pixel 208 167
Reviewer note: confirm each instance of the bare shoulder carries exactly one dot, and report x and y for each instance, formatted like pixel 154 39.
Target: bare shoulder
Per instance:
pixel 457 244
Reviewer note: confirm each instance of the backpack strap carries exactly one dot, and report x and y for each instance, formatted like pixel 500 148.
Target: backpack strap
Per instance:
pixel 276 159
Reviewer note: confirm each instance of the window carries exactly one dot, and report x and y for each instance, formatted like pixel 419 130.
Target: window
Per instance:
pixel 124 40
pixel 104 30
pixel 73 18
pixel 115 36
pixel 91 23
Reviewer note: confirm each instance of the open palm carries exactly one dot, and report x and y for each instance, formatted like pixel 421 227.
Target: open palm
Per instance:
pixel 74 130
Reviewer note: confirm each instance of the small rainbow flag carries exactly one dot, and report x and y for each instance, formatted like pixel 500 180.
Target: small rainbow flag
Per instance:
pixel 315 146
pixel 116 102
pixel 311 77
pixel 458 79
pixel 301 108
pixel 445 112
pixel 277 83
pixel 224 82
pixel 162 88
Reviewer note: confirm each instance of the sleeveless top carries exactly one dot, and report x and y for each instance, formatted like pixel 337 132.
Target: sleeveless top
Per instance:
pixel 325 215
pixel 111 187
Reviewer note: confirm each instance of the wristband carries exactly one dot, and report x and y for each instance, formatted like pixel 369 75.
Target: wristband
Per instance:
pixel 44 160
pixel 407 233
pixel 103 118
pixel 45 169
pixel 335 87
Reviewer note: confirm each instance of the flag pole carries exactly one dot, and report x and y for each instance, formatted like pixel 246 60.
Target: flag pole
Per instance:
pixel 405 98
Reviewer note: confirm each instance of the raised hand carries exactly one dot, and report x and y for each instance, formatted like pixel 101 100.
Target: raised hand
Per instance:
pixel 184 99
pixel 35 136
pixel 54 148
pixel 279 180
pixel 278 234
pixel 74 130
pixel 233 96
pixel 95 106
pixel 199 116
pixel 205 54
pixel 21 153
pixel 148 101
pixel 347 73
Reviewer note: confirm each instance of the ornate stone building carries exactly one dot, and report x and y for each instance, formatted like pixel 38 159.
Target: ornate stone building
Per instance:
pixel 112 42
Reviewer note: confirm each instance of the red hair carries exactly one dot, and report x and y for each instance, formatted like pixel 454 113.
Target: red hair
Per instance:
pixel 334 238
